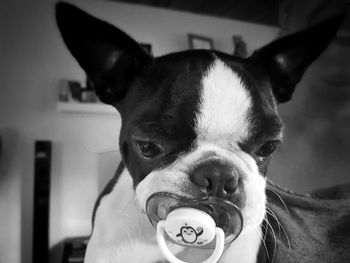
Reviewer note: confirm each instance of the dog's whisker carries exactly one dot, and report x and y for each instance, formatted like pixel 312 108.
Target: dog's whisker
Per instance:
pixel 270 212
pixel 280 226
pixel 274 239
pixel 266 229
pixel 263 238
pixel 274 217
pixel 281 200
pixel 287 237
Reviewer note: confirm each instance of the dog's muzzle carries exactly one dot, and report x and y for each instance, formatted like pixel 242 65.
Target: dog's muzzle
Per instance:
pixel 225 214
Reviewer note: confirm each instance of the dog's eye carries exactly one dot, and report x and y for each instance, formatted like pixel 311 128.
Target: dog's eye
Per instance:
pixel 266 149
pixel 149 149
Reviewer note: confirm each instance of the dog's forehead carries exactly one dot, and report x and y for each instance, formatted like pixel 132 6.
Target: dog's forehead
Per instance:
pixel 203 95
pixel 169 92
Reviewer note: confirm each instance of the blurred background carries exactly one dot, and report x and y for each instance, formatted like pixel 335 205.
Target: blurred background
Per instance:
pixel 51 127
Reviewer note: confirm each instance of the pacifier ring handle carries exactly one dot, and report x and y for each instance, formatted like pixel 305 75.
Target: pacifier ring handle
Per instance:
pixel 219 247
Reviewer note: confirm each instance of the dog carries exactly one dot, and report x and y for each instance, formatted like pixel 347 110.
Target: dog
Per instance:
pixel 194 123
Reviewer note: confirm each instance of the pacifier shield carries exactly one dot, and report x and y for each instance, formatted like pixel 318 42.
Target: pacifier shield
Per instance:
pixel 222 212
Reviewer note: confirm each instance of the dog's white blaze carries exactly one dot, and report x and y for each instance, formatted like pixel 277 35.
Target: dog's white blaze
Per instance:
pixel 224 105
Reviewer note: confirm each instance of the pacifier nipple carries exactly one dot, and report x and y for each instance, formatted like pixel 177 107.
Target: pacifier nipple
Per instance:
pixel 190 227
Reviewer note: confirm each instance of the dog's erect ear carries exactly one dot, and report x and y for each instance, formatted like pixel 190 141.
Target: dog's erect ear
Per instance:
pixel 287 59
pixel 110 57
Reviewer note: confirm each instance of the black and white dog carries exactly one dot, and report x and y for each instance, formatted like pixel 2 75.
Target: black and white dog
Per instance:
pixel 194 123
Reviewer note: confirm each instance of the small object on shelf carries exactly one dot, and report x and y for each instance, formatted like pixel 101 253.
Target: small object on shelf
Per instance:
pixel 87 95
pixel 75 89
pixel 87 92
pixel 63 94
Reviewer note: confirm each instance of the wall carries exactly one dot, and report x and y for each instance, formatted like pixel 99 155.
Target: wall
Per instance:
pixel 316 148
pixel 33 61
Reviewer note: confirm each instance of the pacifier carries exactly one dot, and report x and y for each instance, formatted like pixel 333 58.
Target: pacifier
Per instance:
pixel 206 222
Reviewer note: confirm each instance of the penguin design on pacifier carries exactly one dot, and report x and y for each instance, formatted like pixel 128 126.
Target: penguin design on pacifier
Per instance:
pixel 189 234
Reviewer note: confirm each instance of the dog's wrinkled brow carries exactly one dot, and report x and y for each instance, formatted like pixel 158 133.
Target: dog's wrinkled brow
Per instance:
pixel 154 130
pixel 267 128
pixel 149 128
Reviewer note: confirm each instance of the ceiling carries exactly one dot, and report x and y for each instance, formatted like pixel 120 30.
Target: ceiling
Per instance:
pixel 255 11
pixel 291 16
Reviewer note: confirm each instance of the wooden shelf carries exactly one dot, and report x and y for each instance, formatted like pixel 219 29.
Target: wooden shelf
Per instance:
pixel 85 108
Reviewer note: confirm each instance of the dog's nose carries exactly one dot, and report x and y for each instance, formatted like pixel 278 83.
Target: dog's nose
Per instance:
pixel 216 177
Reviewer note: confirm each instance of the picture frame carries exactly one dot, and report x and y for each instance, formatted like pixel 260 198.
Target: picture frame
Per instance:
pixel 200 42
